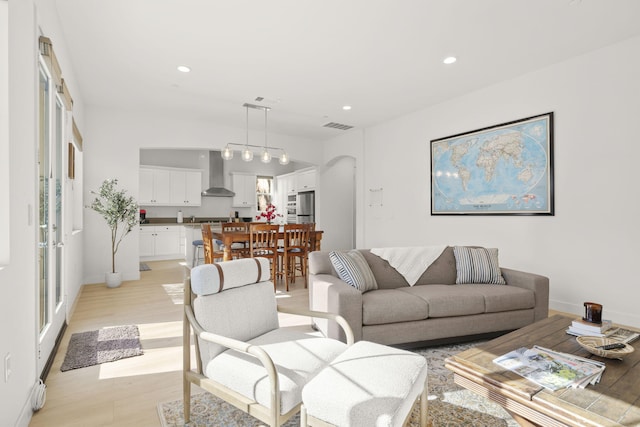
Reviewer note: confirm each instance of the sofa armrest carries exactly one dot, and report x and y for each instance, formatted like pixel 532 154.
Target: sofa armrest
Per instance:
pixel 329 294
pixel 539 285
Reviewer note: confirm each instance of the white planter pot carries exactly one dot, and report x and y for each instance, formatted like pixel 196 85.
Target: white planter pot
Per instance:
pixel 113 280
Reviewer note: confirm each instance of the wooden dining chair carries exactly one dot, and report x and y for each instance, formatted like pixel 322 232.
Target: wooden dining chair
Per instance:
pixel 210 254
pixel 238 249
pixel 263 242
pixel 296 249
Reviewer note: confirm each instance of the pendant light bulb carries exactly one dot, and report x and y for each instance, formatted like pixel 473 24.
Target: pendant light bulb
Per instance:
pixel 266 156
pixel 247 155
pixel 284 158
pixel 227 153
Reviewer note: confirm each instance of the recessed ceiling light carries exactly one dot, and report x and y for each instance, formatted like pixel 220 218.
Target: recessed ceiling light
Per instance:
pixel 184 68
pixel 346 107
pixel 450 59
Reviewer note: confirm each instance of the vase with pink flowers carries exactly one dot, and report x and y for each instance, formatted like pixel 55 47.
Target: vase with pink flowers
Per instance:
pixel 270 213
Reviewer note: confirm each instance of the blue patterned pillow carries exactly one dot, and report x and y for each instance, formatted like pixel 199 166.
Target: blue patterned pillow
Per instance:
pixel 353 269
pixel 477 265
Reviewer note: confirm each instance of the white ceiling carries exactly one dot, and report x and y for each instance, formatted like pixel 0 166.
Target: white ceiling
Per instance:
pixel 309 58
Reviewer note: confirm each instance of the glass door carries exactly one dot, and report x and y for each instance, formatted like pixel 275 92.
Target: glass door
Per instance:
pixel 51 304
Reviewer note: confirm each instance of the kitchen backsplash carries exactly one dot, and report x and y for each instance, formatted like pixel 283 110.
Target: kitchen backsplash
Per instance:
pixel 211 207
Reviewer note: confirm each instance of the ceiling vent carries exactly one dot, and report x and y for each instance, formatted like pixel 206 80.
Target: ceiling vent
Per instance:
pixel 335 125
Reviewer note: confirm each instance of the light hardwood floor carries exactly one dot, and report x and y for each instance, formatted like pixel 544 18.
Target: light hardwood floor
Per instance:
pixel 126 392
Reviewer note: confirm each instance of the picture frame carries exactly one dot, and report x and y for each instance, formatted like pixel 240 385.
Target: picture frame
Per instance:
pixel 505 169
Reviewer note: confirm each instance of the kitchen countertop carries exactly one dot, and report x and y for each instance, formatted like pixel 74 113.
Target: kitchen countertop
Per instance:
pixel 187 221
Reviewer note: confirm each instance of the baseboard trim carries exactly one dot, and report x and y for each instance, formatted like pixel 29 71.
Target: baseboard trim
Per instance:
pixel 27 409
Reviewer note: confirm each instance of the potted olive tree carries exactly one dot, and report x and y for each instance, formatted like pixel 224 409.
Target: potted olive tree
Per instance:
pixel 119 210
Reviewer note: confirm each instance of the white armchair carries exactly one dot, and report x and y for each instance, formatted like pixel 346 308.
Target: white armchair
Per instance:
pixel 242 354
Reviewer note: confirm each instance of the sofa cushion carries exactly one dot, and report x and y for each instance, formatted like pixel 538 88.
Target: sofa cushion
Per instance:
pixel 392 306
pixel 447 301
pixel 477 265
pixel 464 300
pixel 441 271
pixel 499 298
pixel 353 269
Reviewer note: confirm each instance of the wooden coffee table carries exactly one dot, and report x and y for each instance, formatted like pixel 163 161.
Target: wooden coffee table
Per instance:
pixel 615 401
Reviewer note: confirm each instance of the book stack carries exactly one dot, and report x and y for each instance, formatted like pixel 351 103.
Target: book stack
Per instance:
pixel 581 327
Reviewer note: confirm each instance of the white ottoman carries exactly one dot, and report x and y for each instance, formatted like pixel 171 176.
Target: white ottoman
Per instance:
pixel 367 385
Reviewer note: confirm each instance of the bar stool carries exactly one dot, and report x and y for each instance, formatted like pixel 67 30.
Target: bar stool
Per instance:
pixel 197 245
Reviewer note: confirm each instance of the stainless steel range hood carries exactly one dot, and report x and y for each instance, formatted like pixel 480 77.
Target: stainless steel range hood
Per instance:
pixel 216 177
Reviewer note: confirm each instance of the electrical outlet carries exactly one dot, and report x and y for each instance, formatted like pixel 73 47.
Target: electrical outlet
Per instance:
pixel 7 367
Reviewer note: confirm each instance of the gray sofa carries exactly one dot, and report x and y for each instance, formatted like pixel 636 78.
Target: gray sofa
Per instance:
pixel 434 310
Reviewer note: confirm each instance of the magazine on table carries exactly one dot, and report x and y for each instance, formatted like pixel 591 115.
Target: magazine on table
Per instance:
pixel 622 335
pixel 551 369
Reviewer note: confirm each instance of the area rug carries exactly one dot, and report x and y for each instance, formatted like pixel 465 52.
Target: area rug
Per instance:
pixel 104 345
pixel 449 404
pixel 144 267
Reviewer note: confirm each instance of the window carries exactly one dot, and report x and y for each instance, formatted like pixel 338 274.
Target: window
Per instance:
pixel 264 191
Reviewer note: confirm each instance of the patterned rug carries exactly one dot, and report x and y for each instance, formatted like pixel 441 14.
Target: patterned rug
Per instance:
pixel 449 404
pixel 100 346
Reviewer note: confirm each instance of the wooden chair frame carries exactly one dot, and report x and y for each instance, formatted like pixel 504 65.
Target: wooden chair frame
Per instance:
pixel 269 415
pixel 297 240
pixel 264 243
pixel 210 254
pixel 239 252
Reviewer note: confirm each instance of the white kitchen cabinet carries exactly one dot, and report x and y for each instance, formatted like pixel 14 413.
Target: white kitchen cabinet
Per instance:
pixel 290 183
pixel 186 188
pixel 160 242
pixel 306 181
pixel 147 239
pixel 244 185
pixel 167 240
pixel 154 187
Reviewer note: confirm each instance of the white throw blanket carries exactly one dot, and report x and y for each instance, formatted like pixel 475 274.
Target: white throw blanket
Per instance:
pixel 411 262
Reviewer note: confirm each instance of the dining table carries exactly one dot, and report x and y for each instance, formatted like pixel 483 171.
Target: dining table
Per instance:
pixel 229 237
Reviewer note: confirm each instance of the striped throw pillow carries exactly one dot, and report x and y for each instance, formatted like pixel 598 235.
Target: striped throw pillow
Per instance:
pixel 353 269
pixel 477 265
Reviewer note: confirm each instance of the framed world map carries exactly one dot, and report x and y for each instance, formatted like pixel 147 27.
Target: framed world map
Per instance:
pixel 506 169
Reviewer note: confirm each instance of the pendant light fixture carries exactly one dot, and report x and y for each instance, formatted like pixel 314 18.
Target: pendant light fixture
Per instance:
pixel 266 156
pixel 246 153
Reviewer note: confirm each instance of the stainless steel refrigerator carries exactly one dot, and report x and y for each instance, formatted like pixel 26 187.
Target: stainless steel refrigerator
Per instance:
pixel 306 208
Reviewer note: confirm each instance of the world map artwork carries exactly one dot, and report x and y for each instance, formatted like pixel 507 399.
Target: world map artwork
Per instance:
pixel 498 170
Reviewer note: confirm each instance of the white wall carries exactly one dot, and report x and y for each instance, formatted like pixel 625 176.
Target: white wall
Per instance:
pixel 337 204
pixel 590 247
pixel 18 280
pixel 113 140
pixel 337 151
